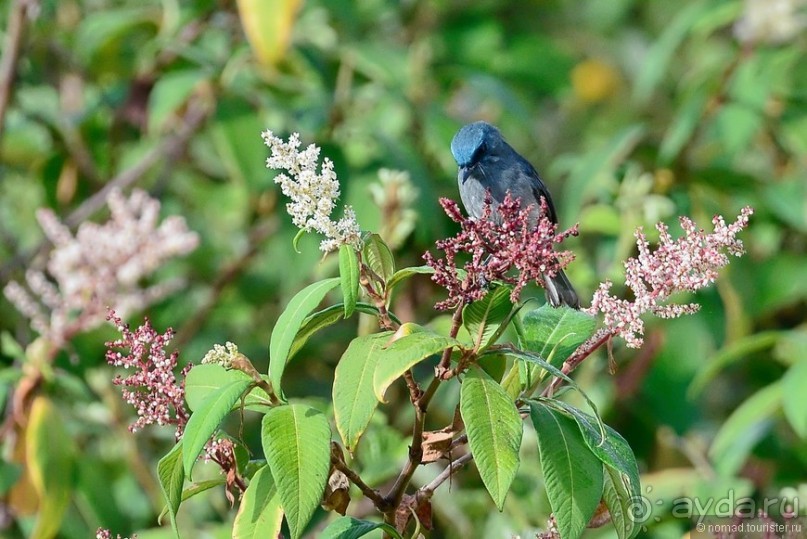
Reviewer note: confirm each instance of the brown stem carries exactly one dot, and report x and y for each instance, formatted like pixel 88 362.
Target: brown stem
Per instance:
pixel 15 33
pixel 443 369
pixel 370 493
pixel 243 364
pixel 602 336
pixel 366 278
pixel 395 494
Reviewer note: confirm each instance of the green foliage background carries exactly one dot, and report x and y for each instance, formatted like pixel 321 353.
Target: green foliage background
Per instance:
pixel 634 111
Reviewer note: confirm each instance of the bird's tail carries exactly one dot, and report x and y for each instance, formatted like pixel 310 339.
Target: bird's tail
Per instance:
pixel 559 291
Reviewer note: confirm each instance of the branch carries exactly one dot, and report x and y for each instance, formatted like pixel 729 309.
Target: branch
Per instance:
pixel 196 113
pixel 602 336
pixel 370 493
pixel 395 494
pixel 427 491
pixel 15 33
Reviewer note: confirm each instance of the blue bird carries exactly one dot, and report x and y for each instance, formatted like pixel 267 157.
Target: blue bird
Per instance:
pixel 487 163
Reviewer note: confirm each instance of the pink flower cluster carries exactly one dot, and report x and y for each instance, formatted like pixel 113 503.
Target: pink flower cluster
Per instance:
pixel 688 263
pixel 503 239
pixel 103 264
pixel 153 388
pixel 106 534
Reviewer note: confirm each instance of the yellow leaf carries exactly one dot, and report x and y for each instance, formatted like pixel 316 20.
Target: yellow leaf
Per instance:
pixel 594 81
pixel 267 25
pixel 49 455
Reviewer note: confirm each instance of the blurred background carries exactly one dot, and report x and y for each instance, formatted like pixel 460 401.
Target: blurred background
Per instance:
pixel 633 111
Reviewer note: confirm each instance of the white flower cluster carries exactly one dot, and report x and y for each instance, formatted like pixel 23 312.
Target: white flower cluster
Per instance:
pixel 101 267
pixel 313 194
pixel 771 21
pixel 221 355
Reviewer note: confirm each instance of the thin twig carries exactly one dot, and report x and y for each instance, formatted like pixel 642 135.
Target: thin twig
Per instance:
pixel 15 33
pixel 427 491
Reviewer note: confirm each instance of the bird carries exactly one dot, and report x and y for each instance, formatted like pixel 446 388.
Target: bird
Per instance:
pixel 487 163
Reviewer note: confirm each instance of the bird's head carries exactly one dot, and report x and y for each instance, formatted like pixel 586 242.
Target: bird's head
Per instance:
pixel 472 143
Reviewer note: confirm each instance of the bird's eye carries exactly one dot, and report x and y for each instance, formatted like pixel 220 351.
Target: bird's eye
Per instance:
pixel 479 152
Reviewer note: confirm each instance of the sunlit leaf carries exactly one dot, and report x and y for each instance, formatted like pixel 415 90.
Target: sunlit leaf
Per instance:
pixel 207 418
pixel 50 456
pixel 349 275
pixel 353 399
pixel 268 26
pixel 259 513
pixel 405 353
pixel 171 475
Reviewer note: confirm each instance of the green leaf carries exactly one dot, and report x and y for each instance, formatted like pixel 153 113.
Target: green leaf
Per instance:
pixel 494 431
pixel 202 380
pixel 558 329
pixel 794 397
pixel 544 364
pixel 11 347
pixel 621 479
pixel 349 277
pixel 744 428
pixel 618 497
pixel 195 489
pixel 353 398
pixel 483 318
pixel 170 93
pixel 353 528
pixel 324 318
pixel 494 365
pixel 554 334
pixel 296 440
pixel 171 475
pixel 406 352
pixel 259 514
pixel 204 421
pixel 244 158
pixel 289 322
pixel 595 168
pixel 379 257
pixel 10 473
pixel 404 273
pixel 50 457
pixel 607 444
pixel 573 475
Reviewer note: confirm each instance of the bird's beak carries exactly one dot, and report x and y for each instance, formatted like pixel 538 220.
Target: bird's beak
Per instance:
pixel 465 173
